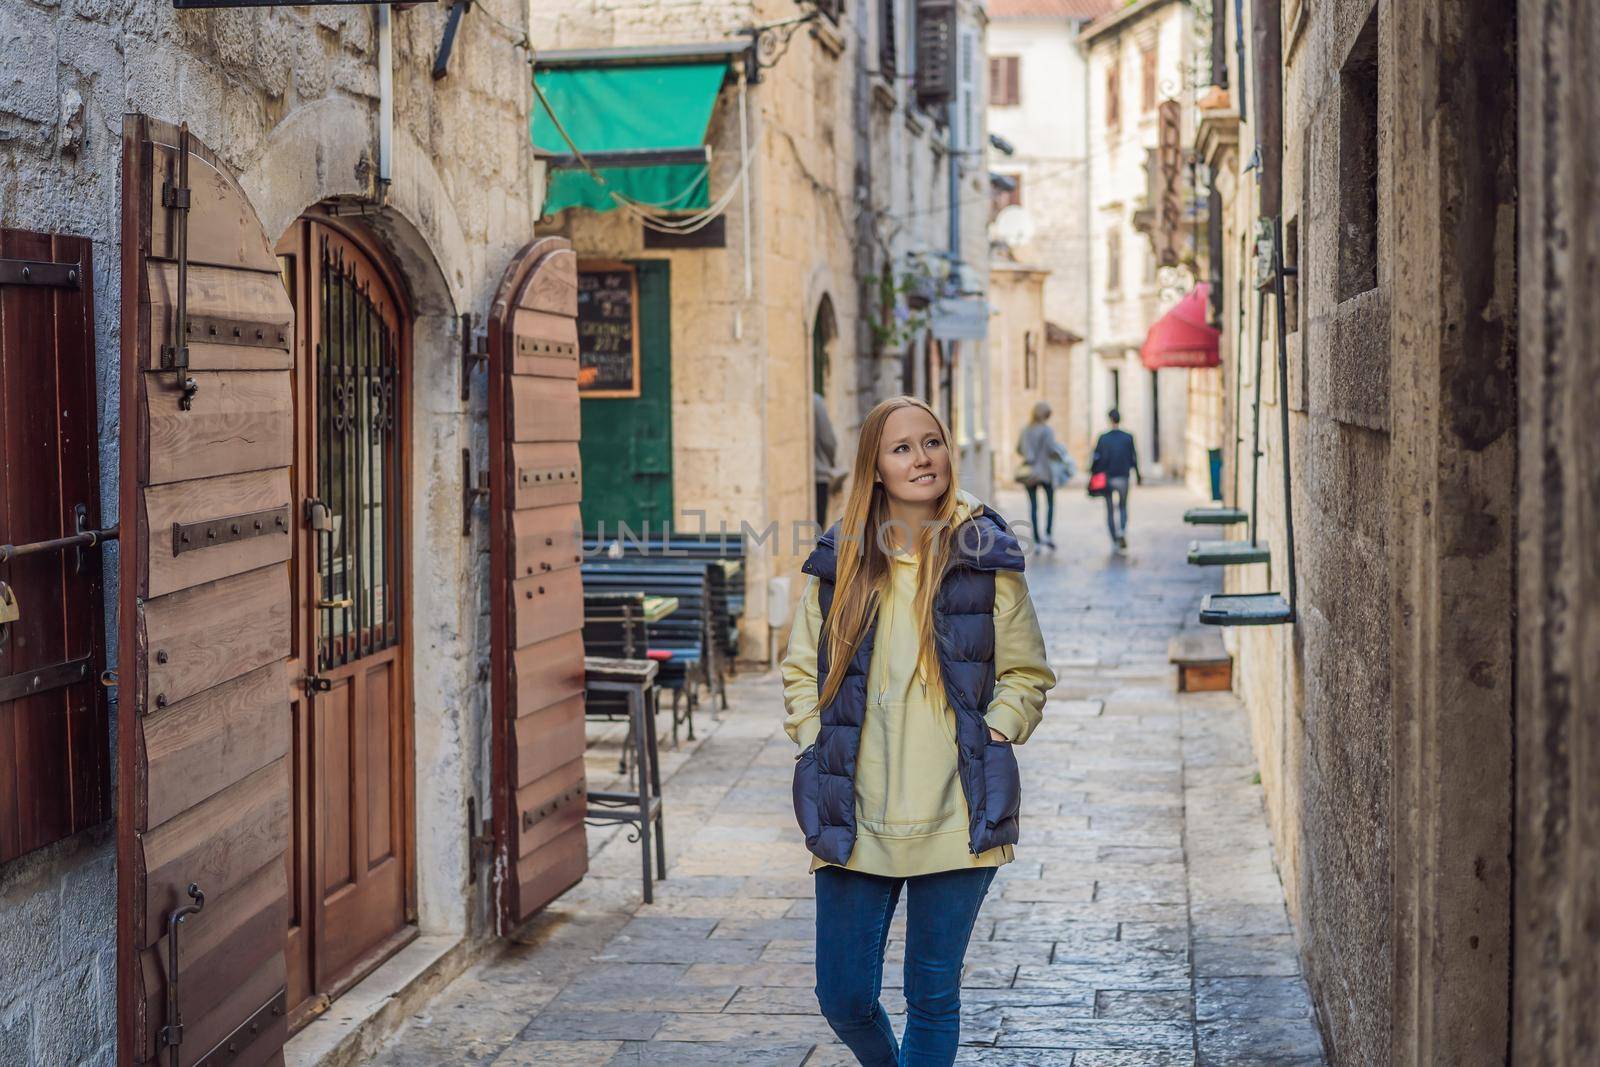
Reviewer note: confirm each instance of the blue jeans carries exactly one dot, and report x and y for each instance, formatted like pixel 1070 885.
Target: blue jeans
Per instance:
pixel 853 915
pixel 1045 532
pixel 1118 488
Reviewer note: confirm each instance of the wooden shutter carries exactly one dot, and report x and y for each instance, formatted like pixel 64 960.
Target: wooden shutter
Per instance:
pixel 537 599
pixel 936 44
pixel 54 741
pixel 204 792
pixel 1004 90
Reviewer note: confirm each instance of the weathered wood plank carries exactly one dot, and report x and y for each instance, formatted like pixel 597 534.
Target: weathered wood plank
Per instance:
pixel 548 738
pixel 546 605
pixel 205 500
pixel 548 671
pixel 546 473
pixel 546 344
pixel 202 745
pixel 217 844
pixel 204 636
pixel 223 228
pixel 545 540
pixel 544 409
pixel 554 285
pixel 214 292
pixel 552 870
pixel 238 421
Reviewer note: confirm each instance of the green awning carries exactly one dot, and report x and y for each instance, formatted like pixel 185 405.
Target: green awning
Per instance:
pixel 663 106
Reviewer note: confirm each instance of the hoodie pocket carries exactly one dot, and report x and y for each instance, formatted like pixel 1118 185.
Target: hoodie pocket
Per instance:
pixel 806 788
pixel 1002 783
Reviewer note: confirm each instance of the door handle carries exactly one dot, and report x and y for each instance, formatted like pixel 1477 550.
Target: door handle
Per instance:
pixel 342 604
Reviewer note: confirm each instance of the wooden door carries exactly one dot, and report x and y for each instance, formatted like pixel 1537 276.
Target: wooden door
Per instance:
pixel 350 872
pixel 537 586
pixel 628 459
pixel 202 733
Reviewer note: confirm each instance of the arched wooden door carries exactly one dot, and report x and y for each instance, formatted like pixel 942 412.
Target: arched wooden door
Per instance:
pixel 537 583
pixel 350 868
pixel 203 798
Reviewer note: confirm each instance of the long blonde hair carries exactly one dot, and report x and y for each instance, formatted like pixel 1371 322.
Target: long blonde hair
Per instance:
pixel 863 564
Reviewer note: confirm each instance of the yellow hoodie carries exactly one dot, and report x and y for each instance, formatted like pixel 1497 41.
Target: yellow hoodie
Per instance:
pixel 911 813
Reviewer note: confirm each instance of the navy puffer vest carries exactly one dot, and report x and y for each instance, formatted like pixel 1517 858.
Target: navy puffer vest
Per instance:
pixel 824 777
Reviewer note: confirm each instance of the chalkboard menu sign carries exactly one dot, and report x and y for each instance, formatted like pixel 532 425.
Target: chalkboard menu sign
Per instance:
pixel 608 329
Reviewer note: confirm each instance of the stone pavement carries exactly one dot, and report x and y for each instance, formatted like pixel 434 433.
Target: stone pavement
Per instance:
pixel 1141 924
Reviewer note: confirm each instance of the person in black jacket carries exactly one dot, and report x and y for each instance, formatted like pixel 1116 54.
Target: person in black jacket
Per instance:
pixel 1116 457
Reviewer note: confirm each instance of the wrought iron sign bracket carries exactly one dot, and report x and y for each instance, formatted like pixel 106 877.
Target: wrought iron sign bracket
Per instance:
pixel 474 486
pixel 474 350
pixel 190 536
pixel 175 198
pixel 171 1037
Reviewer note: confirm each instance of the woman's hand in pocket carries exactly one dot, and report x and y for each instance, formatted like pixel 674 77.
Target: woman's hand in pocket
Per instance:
pixel 996 735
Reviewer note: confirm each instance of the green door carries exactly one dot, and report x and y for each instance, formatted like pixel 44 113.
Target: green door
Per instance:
pixel 627 442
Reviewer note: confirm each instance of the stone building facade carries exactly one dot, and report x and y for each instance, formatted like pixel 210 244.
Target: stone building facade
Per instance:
pixel 1033 48
pixel 1138 56
pixel 851 243
pixel 1416 724
pixel 327 108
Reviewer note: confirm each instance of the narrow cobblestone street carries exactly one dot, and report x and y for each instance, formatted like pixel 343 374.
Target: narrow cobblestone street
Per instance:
pixel 1141 924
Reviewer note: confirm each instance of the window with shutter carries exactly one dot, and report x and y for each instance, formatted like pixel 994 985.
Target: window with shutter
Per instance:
pixel 54 738
pixel 888 55
pixel 936 45
pixel 1147 79
pixel 1004 88
pixel 203 734
pixel 1113 93
pixel 535 486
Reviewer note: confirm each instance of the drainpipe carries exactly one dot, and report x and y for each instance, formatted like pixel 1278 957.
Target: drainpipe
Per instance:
pixel 385 100
pixel 1089 250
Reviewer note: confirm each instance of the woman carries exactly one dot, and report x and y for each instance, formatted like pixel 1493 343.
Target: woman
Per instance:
pixel 1042 458
pixel 906 782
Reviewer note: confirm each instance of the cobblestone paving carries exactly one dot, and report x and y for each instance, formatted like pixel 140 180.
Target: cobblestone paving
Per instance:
pixel 1141 924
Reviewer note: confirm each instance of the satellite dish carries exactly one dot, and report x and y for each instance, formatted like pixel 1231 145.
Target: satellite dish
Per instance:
pixel 1014 225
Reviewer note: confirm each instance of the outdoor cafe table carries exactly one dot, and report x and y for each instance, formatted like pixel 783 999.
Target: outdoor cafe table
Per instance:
pixel 657 608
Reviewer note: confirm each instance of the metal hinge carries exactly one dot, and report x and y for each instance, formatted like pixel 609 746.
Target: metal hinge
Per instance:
pixel 480 839
pixel 474 350
pixel 189 536
pixel 315 683
pixel 534 816
pixel 39 273
pixel 473 486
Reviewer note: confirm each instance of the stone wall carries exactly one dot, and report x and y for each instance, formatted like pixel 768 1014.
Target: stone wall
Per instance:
pixel 1381 718
pixel 288 98
pixel 1558 679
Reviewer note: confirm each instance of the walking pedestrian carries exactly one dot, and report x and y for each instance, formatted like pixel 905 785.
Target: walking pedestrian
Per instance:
pixel 914 665
pixel 1045 466
pixel 1116 457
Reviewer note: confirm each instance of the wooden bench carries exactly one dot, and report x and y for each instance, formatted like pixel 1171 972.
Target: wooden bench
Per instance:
pixel 1202 660
pixel 634 679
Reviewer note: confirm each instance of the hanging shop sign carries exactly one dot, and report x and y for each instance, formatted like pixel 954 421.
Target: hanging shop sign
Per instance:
pixel 960 319
pixel 608 329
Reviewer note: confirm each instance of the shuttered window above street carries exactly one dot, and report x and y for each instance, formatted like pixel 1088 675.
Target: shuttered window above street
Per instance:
pixel 1004 87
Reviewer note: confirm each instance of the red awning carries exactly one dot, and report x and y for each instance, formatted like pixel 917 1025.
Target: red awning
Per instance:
pixel 1181 337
